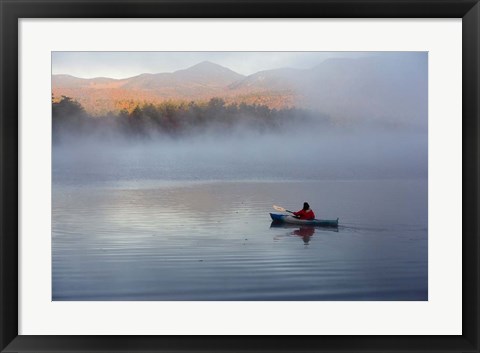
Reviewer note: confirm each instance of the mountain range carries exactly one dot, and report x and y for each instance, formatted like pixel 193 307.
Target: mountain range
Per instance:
pixel 390 88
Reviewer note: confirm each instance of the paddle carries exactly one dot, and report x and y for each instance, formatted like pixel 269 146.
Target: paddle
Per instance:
pixel 281 209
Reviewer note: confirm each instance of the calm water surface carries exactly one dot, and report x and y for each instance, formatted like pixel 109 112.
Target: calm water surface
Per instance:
pixel 167 238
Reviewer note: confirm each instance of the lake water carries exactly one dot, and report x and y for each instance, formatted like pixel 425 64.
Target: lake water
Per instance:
pixel 144 230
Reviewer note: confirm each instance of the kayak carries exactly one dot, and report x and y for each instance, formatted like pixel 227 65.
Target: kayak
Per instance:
pixel 282 218
pixel 301 227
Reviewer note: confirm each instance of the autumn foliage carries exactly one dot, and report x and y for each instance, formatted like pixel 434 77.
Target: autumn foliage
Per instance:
pixel 171 119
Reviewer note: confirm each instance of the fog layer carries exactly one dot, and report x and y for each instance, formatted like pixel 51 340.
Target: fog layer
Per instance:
pixel 297 153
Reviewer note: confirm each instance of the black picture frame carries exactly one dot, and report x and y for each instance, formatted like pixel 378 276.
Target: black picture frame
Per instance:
pixel 13 10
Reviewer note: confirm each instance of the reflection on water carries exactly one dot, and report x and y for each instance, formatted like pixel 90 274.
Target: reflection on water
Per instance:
pixel 214 241
pixel 304 232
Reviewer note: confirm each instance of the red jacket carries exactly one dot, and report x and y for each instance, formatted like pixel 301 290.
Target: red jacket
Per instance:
pixel 302 214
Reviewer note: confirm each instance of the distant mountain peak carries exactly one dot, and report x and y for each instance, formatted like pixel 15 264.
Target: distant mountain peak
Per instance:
pixel 208 67
pixel 207 63
pixel 208 73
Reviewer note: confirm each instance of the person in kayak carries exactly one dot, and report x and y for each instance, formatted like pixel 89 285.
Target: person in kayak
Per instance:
pixel 305 213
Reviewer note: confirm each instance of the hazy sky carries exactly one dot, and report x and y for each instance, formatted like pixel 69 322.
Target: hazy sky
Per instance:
pixel 128 64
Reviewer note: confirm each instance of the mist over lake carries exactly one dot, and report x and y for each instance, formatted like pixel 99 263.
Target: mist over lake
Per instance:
pixel 170 200
pixel 297 154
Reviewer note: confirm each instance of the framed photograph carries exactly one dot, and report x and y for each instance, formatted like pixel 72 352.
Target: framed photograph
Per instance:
pixel 239 176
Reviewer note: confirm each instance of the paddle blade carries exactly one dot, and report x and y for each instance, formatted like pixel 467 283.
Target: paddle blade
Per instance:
pixel 279 209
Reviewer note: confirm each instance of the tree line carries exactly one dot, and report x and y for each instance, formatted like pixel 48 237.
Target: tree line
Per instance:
pixel 170 118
